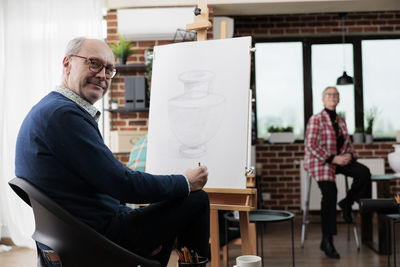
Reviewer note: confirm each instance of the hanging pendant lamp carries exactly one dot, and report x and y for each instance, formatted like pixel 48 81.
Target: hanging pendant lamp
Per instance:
pixel 344 79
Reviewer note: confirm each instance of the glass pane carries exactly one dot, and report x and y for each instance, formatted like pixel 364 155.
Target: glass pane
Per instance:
pixel 328 63
pixel 381 82
pixel 279 83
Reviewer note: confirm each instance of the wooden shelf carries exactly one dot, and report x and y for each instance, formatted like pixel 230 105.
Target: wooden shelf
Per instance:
pixel 130 69
pixel 121 153
pixel 124 110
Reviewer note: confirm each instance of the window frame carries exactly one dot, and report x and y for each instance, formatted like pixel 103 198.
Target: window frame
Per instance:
pixel 307 42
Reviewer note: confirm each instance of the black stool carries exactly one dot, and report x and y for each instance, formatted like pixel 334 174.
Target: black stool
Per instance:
pixel 394 219
pixel 306 221
pixel 259 217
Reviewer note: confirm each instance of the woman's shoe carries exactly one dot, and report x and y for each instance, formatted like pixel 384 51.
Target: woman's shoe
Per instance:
pixel 328 247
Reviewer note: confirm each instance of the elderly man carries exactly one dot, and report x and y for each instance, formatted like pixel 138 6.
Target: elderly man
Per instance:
pixel 60 150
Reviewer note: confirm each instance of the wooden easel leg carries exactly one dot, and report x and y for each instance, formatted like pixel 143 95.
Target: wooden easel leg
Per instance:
pixel 248 234
pixel 202 35
pixel 214 233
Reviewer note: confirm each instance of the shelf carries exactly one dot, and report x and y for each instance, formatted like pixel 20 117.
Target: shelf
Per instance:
pixel 124 110
pixel 121 153
pixel 130 69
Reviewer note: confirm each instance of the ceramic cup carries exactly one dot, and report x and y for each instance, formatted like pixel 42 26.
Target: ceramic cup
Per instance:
pixel 248 261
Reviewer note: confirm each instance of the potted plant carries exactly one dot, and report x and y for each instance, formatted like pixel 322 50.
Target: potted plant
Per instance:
pixel 358 136
pixel 114 103
pixel 122 50
pixel 370 115
pixel 281 134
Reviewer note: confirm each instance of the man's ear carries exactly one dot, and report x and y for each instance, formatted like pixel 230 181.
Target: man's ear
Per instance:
pixel 67 64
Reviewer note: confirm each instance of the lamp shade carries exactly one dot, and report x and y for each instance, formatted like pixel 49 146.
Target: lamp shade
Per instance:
pixel 344 79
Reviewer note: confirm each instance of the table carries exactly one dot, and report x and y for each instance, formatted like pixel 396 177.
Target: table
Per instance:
pixel 383 191
pixel 262 216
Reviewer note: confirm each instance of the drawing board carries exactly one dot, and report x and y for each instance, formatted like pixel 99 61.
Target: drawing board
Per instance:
pixel 199 110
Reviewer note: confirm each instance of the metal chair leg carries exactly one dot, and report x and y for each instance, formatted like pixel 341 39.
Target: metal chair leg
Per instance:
pixel 306 209
pixel 356 236
pixel 354 223
pixel 292 228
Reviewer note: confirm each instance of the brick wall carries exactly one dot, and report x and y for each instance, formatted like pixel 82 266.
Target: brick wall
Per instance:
pixel 281 170
pixel 317 24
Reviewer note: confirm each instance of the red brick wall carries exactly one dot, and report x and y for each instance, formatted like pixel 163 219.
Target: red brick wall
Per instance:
pixel 317 24
pixel 137 121
pixel 281 170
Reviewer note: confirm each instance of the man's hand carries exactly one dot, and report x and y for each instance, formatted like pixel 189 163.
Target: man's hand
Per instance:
pixel 197 177
pixel 342 160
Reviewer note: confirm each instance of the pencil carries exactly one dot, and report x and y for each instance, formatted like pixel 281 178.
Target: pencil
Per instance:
pixel 181 259
pixel 199 164
pixel 189 257
pixel 185 259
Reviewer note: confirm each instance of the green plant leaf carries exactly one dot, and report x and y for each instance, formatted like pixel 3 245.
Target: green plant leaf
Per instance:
pixel 123 49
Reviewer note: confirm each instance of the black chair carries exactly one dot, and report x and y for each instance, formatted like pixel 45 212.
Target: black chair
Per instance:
pixel 76 243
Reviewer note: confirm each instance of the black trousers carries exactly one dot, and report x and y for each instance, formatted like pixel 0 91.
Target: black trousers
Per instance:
pixel 360 188
pixel 185 220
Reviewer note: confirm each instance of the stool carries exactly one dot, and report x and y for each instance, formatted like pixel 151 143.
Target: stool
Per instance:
pixel 306 221
pixel 394 218
pixel 261 216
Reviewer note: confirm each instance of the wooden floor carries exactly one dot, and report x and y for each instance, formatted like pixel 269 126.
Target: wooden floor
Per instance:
pixel 277 250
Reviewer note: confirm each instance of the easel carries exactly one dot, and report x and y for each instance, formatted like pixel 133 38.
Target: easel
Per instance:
pixel 242 200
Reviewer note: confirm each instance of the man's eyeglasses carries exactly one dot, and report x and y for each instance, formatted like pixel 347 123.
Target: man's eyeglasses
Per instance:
pixel 96 65
pixel 335 95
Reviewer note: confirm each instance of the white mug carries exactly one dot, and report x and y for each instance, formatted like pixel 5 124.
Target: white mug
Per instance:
pixel 248 261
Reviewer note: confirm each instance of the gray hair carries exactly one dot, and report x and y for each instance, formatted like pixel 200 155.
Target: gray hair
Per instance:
pixel 74 46
pixel 329 87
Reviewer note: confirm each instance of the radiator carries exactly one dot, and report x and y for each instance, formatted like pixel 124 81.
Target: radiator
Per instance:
pixel 375 165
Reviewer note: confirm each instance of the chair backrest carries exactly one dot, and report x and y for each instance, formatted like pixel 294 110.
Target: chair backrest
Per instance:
pixel 76 243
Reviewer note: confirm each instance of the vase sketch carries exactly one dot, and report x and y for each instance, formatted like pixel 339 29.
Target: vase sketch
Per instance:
pixel 196 115
pixel 394 160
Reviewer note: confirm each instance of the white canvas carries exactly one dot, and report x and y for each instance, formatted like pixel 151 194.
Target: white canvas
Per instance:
pixel 199 110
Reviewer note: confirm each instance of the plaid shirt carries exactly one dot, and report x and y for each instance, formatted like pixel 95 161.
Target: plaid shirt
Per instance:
pixel 320 144
pixel 137 158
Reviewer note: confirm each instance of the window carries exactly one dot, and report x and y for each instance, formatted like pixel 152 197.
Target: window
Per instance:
pixel 292 72
pixel 279 83
pixel 328 63
pixel 381 84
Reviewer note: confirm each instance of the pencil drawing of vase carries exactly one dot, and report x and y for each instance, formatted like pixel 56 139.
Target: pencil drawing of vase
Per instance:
pixel 196 115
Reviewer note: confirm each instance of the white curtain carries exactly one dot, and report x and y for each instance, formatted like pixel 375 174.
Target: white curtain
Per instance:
pixel 33 36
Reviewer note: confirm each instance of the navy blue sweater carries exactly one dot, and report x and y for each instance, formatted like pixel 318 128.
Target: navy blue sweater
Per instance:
pixel 60 150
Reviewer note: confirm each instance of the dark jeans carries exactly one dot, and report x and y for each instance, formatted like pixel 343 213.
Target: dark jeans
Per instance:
pixel 360 188
pixel 186 220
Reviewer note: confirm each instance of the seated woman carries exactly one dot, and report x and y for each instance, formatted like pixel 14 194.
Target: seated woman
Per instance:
pixel 328 151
